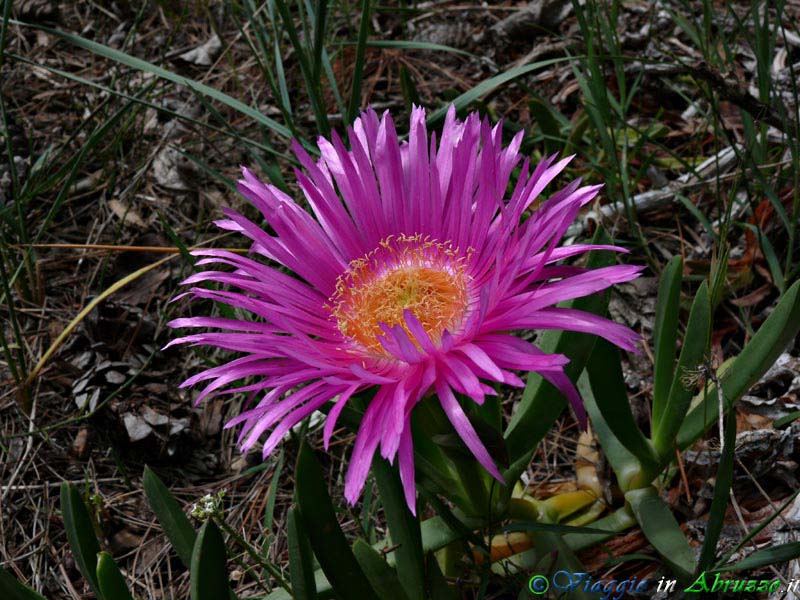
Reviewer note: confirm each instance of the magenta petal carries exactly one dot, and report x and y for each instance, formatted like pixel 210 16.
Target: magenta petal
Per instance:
pixel 333 415
pixel 564 385
pixel 406 465
pixel 366 443
pixel 464 429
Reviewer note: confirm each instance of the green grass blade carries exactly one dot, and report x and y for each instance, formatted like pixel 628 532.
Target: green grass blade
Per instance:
pixel 16 361
pixel 758 529
pixel 110 579
pixel 269 510
pixel 320 24
pixel 4 34
pixel 301 558
pixel 409 89
pixel 142 65
pixel 383 578
pixel 172 519
pixel 414 45
pixel 786 420
pixel 768 250
pixel 489 85
pixel 358 65
pixel 207 577
pixel 228 131
pixel 80 535
pixel 313 87
pixel 662 530
pixel 334 87
pixel 280 71
pixel 11 589
pixel 543 115
pixel 262 54
pixel 698 214
pixel 665 333
pixel 721 500
pixel 321 60
pixel 765 557
pixel 326 537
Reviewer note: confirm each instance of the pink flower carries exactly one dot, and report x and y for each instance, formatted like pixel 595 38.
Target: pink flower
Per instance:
pixel 409 274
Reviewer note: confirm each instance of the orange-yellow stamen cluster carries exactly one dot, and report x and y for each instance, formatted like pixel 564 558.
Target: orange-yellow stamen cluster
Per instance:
pixel 414 273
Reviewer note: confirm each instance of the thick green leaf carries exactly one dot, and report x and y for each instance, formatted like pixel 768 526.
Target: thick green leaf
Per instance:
pixel 80 535
pixel 403 528
pixel 438 587
pixel 109 578
pixel 435 472
pixel 721 500
pixel 382 577
pixel 436 534
pixel 625 465
pixel 553 528
pixel 541 402
pixel 746 369
pixel 207 577
pixel 301 559
pixel 662 530
pixel 765 557
pixel 529 560
pixel 665 333
pixel 611 395
pixel 175 523
pixel 695 345
pixel 618 521
pixel 11 589
pixel 554 550
pixel 326 537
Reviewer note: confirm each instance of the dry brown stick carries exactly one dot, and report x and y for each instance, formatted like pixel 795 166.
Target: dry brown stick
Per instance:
pixel 651 200
pixel 729 89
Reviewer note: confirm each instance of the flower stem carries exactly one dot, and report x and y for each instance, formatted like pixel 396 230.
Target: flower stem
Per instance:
pixel 470 476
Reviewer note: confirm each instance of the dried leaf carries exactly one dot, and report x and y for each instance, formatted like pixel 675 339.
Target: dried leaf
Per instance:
pixel 204 54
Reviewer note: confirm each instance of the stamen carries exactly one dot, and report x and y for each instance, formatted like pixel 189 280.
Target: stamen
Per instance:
pixel 414 273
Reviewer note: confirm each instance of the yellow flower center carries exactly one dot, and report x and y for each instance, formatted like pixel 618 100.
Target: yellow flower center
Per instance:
pixel 422 275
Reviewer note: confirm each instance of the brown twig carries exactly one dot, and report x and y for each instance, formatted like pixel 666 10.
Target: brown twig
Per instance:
pixel 731 90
